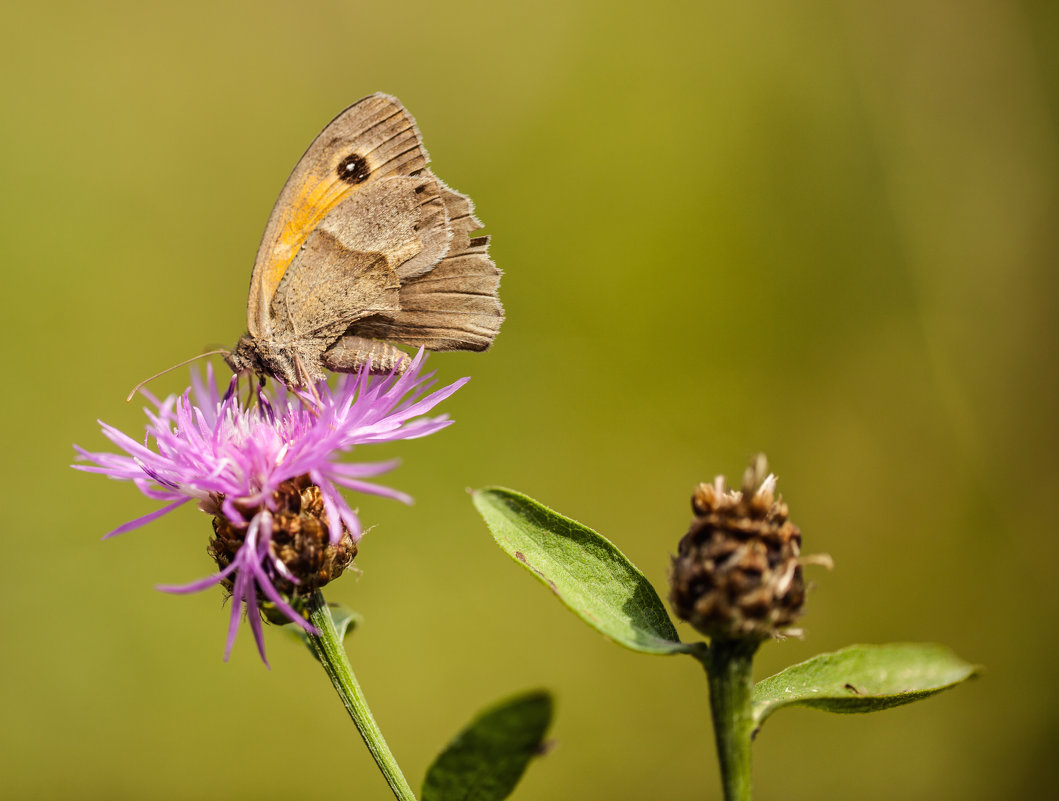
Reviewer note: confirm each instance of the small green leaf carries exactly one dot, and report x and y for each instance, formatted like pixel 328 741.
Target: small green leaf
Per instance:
pixel 862 678
pixel 346 620
pixel 487 759
pixel 584 570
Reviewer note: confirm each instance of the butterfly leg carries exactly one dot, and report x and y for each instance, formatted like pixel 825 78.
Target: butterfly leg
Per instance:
pixel 305 378
pixel 350 353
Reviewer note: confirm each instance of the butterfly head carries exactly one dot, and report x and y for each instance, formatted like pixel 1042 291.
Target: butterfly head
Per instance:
pixel 251 355
pixel 245 357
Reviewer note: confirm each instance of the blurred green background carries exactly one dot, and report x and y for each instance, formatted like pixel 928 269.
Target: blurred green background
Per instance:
pixel 825 230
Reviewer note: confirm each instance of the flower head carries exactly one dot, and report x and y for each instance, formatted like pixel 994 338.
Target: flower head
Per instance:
pixel 269 471
pixel 738 571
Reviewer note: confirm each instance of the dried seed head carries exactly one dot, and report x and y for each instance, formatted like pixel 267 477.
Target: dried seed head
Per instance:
pixel 300 542
pixel 737 572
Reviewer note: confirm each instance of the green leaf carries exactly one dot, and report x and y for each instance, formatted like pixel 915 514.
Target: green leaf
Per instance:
pixel 487 759
pixel 346 620
pixel 862 678
pixel 584 570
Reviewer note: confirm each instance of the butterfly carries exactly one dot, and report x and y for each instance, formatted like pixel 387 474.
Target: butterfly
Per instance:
pixel 365 248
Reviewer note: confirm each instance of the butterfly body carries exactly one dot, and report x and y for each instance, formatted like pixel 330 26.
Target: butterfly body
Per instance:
pixel 366 247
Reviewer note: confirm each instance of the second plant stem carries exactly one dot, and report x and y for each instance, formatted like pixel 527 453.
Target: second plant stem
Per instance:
pixel 729 664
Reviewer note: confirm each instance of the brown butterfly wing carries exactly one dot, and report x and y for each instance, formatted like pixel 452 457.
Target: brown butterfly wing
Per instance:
pixel 372 139
pixel 353 263
pixel 455 305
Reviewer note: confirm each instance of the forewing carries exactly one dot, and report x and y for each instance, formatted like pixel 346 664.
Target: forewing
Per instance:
pixel 454 306
pixel 372 139
pixel 403 217
pixel 356 259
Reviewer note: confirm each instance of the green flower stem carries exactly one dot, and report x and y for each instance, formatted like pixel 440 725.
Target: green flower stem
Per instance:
pixel 729 665
pixel 328 649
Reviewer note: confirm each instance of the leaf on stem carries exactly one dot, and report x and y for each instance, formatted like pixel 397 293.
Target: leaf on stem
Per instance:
pixel 345 620
pixel 487 758
pixel 862 678
pixel 584 570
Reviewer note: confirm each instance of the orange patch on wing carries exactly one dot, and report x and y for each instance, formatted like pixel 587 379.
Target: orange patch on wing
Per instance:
pixel 314 199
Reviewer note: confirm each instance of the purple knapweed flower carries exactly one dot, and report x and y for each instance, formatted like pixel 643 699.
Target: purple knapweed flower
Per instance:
pixel 243 463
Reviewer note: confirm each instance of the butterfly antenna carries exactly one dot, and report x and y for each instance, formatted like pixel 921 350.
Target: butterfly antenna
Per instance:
pixel 146 381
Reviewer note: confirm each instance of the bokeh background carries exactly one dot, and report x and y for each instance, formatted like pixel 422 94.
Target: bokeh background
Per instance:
pixel 825 230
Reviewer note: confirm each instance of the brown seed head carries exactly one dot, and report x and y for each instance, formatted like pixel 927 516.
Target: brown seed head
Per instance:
pixel 737 572
pixel 299 540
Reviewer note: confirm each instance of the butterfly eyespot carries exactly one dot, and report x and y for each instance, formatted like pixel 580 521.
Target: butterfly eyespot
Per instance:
pixel 353 169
